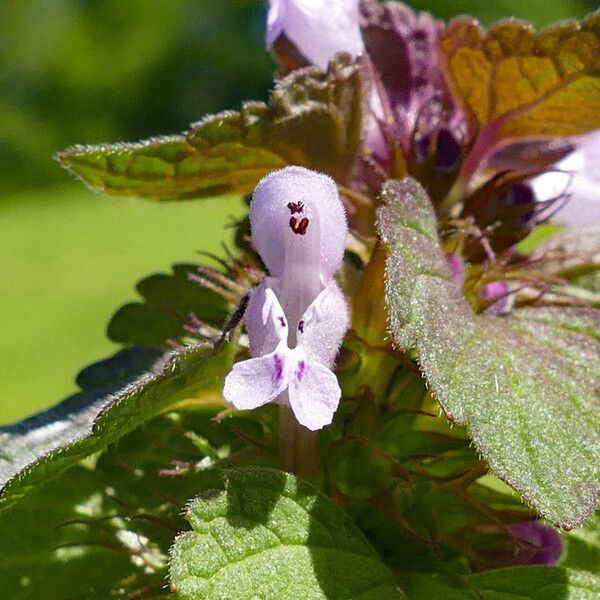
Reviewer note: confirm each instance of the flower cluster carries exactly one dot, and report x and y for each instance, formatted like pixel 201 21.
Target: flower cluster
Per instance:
pixel 427 154
pixel 415 111
pixel 489 189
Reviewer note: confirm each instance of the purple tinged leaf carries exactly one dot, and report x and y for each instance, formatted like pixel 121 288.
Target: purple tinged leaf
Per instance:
pixel 318 28
pixel 403 47
pixel 518 88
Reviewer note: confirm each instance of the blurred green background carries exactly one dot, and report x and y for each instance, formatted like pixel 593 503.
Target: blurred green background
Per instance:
pixel 96 71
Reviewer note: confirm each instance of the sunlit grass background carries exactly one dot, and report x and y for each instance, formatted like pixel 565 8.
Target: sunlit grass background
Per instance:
pixel 105 70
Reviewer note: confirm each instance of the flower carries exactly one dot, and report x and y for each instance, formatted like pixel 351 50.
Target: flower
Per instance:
pixel 545 543
pixel 499 296
pixel 530 543
pixel 318 28
pixel 575 178
pixel 297 316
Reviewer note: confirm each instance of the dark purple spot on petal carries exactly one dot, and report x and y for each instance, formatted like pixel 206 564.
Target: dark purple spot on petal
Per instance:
pixel 301 327
pixel 278 372
pixel 299 226
pixel 281 321
pixel 296 207
pixel 300 370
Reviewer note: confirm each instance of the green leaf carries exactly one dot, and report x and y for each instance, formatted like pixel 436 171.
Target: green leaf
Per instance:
pixel 112 403
pixel 583 547
pixel 538 236
pixel 168 302
pixel 47 551
pixel 517 83
pixel 104 530
pixel 266 534
pixel 312 119
pixel 577 252
pixel 516 583
pixel 526 384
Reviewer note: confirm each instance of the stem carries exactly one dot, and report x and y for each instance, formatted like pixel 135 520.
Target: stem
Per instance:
pixel 298 450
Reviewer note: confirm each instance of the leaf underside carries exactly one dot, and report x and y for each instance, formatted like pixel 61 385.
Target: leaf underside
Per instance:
pixel 312 119
pixel 519 83
pixel 268 535
pixel 103 529
pixel 168 301
pixel 526 384
pixel 118 395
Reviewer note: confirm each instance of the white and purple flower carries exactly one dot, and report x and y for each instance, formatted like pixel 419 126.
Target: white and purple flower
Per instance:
pixel 318 28
pixel 297 317
pixel 576 179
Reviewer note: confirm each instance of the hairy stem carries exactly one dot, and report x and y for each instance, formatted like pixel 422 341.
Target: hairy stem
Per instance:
pixel 298 451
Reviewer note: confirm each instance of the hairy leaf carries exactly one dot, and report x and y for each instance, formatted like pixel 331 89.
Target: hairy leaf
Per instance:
pixel 517 583
pixel 526 384
pixel 268 535
pixel 115 400
pixel 104 530
pixel 518 83
pixel 312 119
pixel 47 550
pixel 169 299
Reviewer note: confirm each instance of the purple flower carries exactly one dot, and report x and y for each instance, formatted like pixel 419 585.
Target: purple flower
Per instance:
pixel 457 269
pixel 403 48
pixel 574 183
pixel 297 317
pixel 544 544
pixel 318 28
pixel 527 543
pixel 497 292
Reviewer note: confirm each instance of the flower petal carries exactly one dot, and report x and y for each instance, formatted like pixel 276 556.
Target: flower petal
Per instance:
pixel 314 394
pixel 576 176
pixel 254 382
pixel 547 545
pixel 266 322
pixel 275 21
pixel 318 28
pixel 323 325
pixel 270 219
